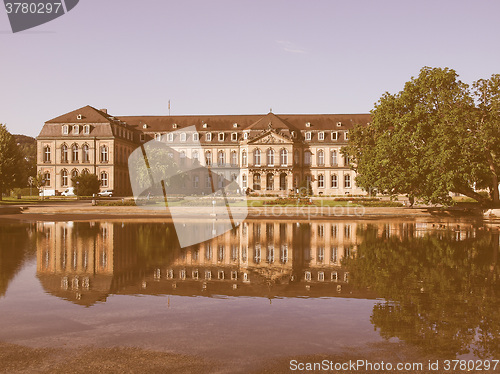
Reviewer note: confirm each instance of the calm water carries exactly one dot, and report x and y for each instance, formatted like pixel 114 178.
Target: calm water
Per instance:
pixel 266 289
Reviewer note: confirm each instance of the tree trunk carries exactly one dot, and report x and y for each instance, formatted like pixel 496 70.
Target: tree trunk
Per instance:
pixel 469 192
pixel 494 180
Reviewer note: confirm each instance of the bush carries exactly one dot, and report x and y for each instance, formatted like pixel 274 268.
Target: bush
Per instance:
pixel 86 184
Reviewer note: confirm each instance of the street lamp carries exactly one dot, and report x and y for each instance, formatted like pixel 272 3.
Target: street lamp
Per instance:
pixel 43 188
pixel 77 195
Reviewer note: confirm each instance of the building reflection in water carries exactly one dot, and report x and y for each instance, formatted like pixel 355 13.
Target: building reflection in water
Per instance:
pixel 86 261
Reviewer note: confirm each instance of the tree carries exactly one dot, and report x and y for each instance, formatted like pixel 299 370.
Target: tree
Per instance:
pixel 10 161
pixel 27 148
pixel 86 184
pixel 431 139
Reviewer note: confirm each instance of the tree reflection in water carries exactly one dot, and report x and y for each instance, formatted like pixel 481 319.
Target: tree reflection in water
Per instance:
pixel 441 290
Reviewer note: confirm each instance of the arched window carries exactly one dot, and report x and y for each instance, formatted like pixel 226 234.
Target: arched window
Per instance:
pixel 196 157
pixel 256 182
pixel 333 156
pixel 335 181
pixel 104 179
pixel 64 178
pixel 46 154
pixel 284 157
pixel 244 181
pixel 244 158
pixel 104 154
pixel 270 157
pixel 64 153
pixel 46 177
pixel 256 157
pixel 321 157
pixel 347 160
pixel 307 158
pixel 74 173
pixel 321 181
pixel 208 158
pixel 86 129
pixel 183 137
pixel 158 137
pixel 234 158
pixel 296 158
pixel 347 181
pixel 85 153
pixel 76 129
pixel 270 182
pixel 221 158
pixel 75 152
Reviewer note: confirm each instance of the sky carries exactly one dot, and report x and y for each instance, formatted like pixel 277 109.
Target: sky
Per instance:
pixel 236 57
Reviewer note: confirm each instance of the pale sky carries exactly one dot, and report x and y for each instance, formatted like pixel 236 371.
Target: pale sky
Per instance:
pixel 236 57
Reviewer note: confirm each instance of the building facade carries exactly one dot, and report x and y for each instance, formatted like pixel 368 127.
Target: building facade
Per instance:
pixel 274 154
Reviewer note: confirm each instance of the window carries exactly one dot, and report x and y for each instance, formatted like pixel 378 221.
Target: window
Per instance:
pixel 339 124
pixel 174 125
pixel 208 182
pixel 221 136
pixel 74 173
pixel 196 137
pixel 335 181
pixel 308 135
pixel 65 129
pixel 334 135
pixel 182 160
pixel 234 136
pixel 256 182
pixel 104 154
pixel 64 178
pixel 104 179
pixel 46 176
pixel 284 157
pixel 270 157
pixel 196 157
pixel 346 135
pixel 221 159
pixel 209 137
pixel 244 181
pixel 75 152
pixel 64 153
pixel 183 137
pixel 46 154
pixel 76 129
pixel 196 181
pixel 234 158
pixel 333 157
pixel 347 160
pixel 245 135
pixel 142 137
pixel 321 157
pixel 307 158
pixel 208 158
pixel 86 129
pixel 321 135
pixel 296 157
pixel 244 158
pixel 170 137
pixel 347 181
pixel 321 181
pixel 256 157
pixel 85 153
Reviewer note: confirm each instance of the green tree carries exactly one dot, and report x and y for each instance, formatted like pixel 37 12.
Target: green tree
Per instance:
pixel 10 161
pixel 86 184
pixel 431 139
pixel 27 148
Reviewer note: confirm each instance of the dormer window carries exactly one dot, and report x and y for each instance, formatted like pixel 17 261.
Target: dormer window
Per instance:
pixel 308 135
pixel 196 137
pixel 346 135
pixel 65 129
pixel 76 129
pixel 170 137
pixel 174 126
pixel 339 124
pixel 158 137
pixel 321 135
pixel 245 135
pixel 79 116
pixel 144 126
pixel 221 136
pixel 209 136
pixel 205 125
pixel 308 124
pixel 334 135
pixel 183 137
pixel 86 129
pixel 234 136
pixel 235 125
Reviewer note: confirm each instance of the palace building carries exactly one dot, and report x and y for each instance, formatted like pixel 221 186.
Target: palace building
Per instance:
pixel 274 153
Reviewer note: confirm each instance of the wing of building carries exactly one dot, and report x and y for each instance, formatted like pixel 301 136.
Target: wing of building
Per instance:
pixel 274 153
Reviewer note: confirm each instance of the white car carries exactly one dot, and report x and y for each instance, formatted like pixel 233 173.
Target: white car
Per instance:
pixel 106 193
pixel 69 192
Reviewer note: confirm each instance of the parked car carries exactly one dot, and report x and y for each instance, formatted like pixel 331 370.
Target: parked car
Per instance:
pixel 69 192
pixel 106 193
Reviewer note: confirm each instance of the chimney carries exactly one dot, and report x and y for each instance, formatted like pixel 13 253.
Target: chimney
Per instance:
pixel 104 110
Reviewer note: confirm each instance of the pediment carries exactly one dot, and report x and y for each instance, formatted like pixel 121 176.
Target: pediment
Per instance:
pixel 270 137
